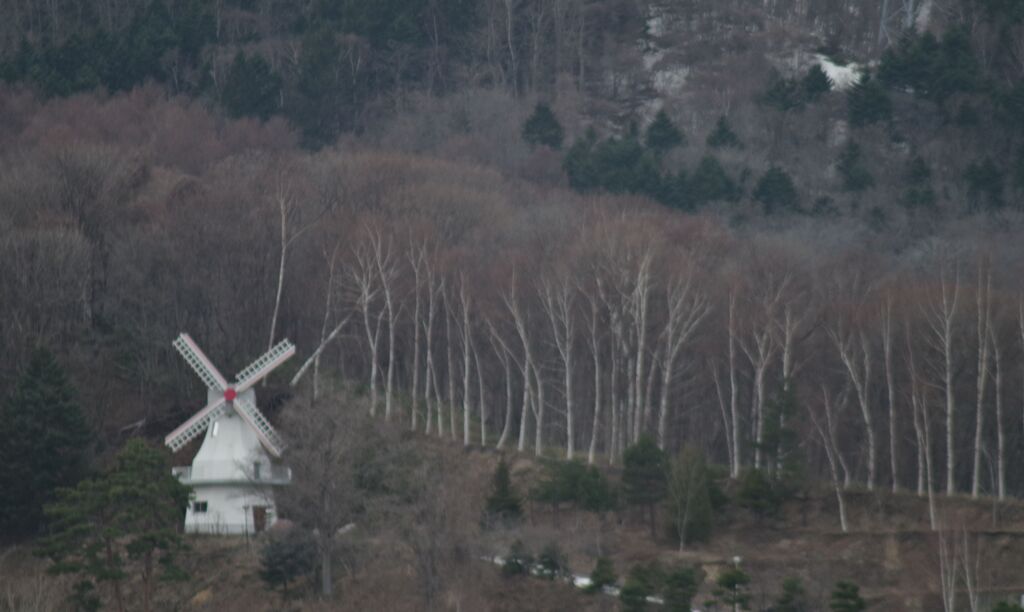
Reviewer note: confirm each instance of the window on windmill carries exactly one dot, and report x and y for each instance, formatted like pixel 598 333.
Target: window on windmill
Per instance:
pixel 199 506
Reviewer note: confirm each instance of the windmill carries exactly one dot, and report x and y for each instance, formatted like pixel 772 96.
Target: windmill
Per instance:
pixel 232 474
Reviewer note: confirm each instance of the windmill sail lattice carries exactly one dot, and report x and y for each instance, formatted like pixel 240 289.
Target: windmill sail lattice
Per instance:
pixel 215 382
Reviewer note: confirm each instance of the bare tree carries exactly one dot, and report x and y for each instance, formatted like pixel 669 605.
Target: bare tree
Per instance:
pixel 686 307
pixel 942 316
pixel 827 435
pixel 983 293
pixel 558 297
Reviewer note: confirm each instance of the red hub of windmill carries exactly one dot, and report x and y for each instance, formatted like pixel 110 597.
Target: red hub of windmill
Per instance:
pixel 229 394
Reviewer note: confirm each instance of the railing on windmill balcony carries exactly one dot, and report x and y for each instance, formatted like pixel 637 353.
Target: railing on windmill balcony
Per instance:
pixel 234 473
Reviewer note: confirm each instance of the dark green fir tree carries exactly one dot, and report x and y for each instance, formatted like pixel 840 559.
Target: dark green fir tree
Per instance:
pixel 776 192
pixel 644 475
pixel 44 444
pixel 663 135
pixel 723 136
pixel 815 83
pixel 846 598
pixel 868 102
pixel 543 128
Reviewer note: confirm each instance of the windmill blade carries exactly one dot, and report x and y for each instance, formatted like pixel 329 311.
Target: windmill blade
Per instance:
pixel 264 365
pixel 196 425
pixel 200 363
pixel 271 440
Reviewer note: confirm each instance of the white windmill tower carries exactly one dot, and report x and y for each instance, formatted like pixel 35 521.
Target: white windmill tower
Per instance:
pixel 232 474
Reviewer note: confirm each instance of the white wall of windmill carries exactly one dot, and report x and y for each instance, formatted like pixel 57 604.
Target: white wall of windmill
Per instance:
pixel 230 510
pixel 231 475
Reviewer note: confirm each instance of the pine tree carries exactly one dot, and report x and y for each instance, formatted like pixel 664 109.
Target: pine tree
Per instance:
pixel 663 135
pixel 867 102
pixel 543 128
pixel 722 136
pixel 776 191
pixel 602 576
pixel 644 476
pixel 251 89
pixel 126 521
pixel 552 562
pixel 783 95
pixel 919 193
pixel 815 83
pixel 681 586
pixel 856 177
pixel 710 183
pixel 793 597
pixel 44 443
pixel 733 589
pixel 984 184
pixel 503 503
pixel 846 598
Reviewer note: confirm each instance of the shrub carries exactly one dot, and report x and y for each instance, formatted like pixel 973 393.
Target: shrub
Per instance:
pixel 552 562
pixel 286 558
pixel 503 502
pixel 518 562
pixel 543 128
pixel 602 576
pixel 689 497
pixel 846 598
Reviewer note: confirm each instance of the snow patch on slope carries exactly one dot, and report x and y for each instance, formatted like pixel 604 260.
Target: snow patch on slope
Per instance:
pixel 843 77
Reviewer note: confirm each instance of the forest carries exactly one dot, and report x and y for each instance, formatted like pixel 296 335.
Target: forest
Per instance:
pixel 493 221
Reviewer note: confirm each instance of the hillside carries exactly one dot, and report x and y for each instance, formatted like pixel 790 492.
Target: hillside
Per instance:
pixel 890 552
pixel 776 240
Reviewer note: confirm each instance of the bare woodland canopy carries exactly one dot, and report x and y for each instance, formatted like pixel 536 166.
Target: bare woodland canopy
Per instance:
pixel 498 312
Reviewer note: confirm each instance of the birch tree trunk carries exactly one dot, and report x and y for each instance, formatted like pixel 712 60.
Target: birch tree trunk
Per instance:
pixel 734 408
pixel 854 348
pixel 686 308
pixel 558 297
pixel 997 364
pixel 595 350
pixel 942 320
pixel 387 270
pixel 890 387
pixel 464 304
pixel 416 259
pixel 983 305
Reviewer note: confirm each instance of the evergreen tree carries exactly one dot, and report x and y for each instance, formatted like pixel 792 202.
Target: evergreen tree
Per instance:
pixel 984 184
pixel 815 83
pixel 287 557
pixel 757 493
pixel 710 183
pixel 552 562
pixel 543 128
pixel 780 441
pixel 644 580
pixel 722 136
pixel 689 497
pixel 124 521
pixel 776 191
pixel 663 135
pixel 933 69
pixel 602 576
pixel 846 598
pixel 676 192
pixel 503 502
pixel 44 443
pixel 793 597
pixel 579 165
pixel 518 561
pixel 319 107
pixel 856 176
pixel 595 493
pixel 644 476
pixel 732 589
pixel 783 95
pixel 681 586
pixel 919 193
pixel 251 89
pixel 867 102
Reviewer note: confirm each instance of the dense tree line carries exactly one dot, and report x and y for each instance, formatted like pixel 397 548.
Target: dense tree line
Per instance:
pixel 499 313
